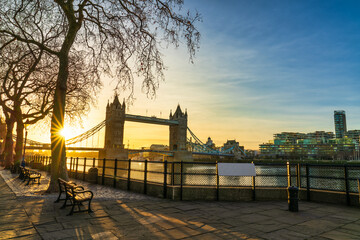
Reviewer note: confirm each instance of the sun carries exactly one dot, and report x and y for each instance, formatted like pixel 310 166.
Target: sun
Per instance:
pixel 66 133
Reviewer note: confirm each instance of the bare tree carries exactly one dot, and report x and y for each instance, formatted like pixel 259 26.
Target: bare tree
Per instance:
pixel 115 37
pixel 28 81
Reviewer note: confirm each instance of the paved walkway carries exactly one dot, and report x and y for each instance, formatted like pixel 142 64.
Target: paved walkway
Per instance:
pixel 37 217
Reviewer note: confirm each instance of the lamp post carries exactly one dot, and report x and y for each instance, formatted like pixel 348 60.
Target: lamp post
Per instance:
pixel 23 158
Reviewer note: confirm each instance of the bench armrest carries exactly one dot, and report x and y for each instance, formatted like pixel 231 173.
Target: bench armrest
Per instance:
pixel 84 192
pixel 78 187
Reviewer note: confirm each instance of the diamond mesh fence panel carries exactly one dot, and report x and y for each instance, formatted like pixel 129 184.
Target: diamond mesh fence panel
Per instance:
pixel 353 186
pixel 271 181
pixel 327 177
pixel 326 171
pixel 199 168
pixel 293 181
pixel 235 181
pixel 270 170
pixel 327 184
pixel 293 170
pixel 271 176
pixel 155 167
pixel 137 175
pixel 353 176
pixel 303 182
pixel 121 173
pixel 155 177
pixel 199 180
pixel 200 174
pixel 354 172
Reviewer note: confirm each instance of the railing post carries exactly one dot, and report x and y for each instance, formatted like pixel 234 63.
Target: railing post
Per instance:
pixel 298 175
pixel 115 172
pixel 173 173
pixel 103 172
pixel 145 176
pixel 77 165
pixel 165 179
pixel 129 173
pixel 217 181
pixel 71 162
pixel 181 180
pixel 288 170
pixel 84 169
pixel 359 188
pixel 93 162
pixel 253 187
pixel 307 181
pixel 346 175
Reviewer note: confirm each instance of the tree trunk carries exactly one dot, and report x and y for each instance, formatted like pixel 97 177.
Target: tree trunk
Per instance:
pixel 19 138
pixel 58 148
pixel 8 150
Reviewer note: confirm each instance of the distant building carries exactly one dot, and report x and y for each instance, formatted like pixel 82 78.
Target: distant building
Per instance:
pixel 159 147
pixel 353 134
pixel 340 123
pixel 320 136
pixel 210 143
pixel 319 144
pixel 233 147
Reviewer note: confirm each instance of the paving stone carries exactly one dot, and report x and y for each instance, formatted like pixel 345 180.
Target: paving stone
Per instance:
pixel 104 235
pixel 268 226
pixel 205 236
pixel 337 235
pixel 285 234
pixel 254 217
pixel 181 232
pixel 17 233
pixel 45 228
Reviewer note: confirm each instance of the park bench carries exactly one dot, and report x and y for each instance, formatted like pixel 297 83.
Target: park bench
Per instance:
pixel 62 189
pixel 76 195
pixel 30 175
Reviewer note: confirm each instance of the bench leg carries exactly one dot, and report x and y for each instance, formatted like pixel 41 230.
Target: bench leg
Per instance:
pixel 72 210
pixel 58 199
pixel 89 208
pixel 64 205
pixel 28 181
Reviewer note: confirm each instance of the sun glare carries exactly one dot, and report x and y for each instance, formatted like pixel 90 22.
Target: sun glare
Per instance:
pixel 66 133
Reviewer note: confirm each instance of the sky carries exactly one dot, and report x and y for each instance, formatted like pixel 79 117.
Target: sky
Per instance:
pixel 263 67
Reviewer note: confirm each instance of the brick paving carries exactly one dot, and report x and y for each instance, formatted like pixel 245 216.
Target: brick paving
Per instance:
pixel 29 215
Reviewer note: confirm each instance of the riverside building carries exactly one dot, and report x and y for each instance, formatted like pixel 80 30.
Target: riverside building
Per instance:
pixel 340 123
pixel 316 145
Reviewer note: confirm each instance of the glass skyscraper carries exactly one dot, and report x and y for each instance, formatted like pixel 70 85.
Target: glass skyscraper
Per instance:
pixel 340 123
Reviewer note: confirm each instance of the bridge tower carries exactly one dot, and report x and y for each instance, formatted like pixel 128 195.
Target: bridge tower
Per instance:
pixel 178 138
pixel 178 132
pixel 114 128
pixel 114 131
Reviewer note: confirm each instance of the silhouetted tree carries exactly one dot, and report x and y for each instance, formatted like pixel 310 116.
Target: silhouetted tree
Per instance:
pixel 116 37
pixel 28 80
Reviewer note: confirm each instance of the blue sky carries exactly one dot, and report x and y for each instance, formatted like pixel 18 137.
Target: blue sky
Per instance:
pixel 263 67
pixel 287 62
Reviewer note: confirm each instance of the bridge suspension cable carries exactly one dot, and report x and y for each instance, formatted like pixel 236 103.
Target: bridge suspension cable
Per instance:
pixel 86 134
pixel 73 140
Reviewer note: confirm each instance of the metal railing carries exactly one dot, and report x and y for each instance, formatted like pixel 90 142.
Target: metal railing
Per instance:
pixel 308 177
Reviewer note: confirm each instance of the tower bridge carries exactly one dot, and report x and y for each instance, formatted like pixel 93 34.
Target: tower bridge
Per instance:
pixel 114 130
pixel 180 146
